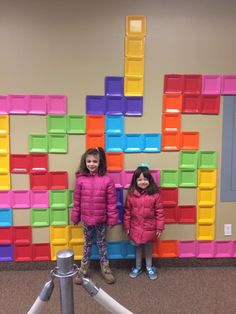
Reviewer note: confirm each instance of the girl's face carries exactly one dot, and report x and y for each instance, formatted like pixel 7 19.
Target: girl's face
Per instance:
pixel 92 163
pixel 142 182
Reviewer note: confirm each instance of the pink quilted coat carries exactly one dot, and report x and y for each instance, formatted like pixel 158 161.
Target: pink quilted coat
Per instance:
pixel 143 216
pixel 94 200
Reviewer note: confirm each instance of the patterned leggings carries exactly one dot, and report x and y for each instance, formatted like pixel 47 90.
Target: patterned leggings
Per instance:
pixel 100 230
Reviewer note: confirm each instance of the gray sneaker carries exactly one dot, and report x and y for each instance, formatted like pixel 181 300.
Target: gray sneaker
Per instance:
pixel 135 272
pixel 151 272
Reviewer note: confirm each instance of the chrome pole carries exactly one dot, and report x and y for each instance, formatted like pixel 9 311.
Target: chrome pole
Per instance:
pixel 65 272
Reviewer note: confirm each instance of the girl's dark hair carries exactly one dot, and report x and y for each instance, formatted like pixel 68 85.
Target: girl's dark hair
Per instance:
pixel 151 189
pixel 97 151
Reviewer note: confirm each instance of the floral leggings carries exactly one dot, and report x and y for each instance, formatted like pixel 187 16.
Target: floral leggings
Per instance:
pixel 100 230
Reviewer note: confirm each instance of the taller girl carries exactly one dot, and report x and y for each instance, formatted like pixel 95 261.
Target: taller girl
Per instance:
pixel 95 206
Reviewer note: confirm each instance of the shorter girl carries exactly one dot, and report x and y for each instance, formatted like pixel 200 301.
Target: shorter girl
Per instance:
pixel 95 206
pixel 143 218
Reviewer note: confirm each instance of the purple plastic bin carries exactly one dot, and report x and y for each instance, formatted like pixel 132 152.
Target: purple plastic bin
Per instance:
pixel 95 104
pixel 4 104
pixel 56 104
pixel 119 195
pixel 205 249
pixel 6 253
pixel 5 199
pixel 134 106
pixel 114 86
pixel 20 199
pixel 39 199
pixel 38 104
pixel 120 213
pixel 187 249
pixel 211 84
pixel 223 249
pixel 18 104
pixel 116 177
pixel 228 85
pixel 115 105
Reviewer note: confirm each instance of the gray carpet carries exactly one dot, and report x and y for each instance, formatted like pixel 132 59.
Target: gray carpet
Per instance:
pixel 180 289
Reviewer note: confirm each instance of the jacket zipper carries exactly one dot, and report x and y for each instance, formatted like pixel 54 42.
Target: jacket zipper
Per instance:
pixel 91 199
pixel 142 197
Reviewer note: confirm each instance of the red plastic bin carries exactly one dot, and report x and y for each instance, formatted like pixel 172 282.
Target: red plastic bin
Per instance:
pixel 186 214
pixel 173 83
pixel 22 235
pixel 23 253
pixel 39 181
pixel 41 252
pixel 19 163
pixel 58 180
pixel 192 83
pixel 191 103
pixel 6 235
pixel 210 104
pixel 38 163
pixel 169 196
pixel 170 214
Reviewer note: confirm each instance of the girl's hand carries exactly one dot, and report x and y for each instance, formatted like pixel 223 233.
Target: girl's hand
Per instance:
pixel 110 226
pixel 158 234
pixel 127 232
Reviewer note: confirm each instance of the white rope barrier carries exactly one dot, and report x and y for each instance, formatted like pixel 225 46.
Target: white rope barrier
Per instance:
pixel 109 303
pixel 43 298
pixel 103 298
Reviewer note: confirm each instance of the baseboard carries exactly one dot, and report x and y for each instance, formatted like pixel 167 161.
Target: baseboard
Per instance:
pixel 159 262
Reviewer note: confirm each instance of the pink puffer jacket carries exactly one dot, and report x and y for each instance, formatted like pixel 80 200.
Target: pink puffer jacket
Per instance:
pixel 94 200
pixel 143 216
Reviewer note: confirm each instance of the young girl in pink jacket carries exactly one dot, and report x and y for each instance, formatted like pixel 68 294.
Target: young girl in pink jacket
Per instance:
pixel 96 207
pixel 143 218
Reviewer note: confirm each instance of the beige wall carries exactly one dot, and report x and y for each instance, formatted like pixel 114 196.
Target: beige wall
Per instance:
pixel 68 47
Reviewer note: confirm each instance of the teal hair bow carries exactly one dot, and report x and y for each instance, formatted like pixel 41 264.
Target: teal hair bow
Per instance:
pixel 143 164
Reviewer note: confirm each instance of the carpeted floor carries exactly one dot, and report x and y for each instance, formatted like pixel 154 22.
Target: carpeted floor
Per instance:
pixel 180 289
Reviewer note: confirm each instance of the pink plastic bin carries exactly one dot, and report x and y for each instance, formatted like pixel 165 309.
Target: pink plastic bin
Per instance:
pixel 39 198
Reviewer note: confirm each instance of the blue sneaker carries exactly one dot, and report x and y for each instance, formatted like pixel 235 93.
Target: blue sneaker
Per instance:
pixel 135 272
pixel 152 272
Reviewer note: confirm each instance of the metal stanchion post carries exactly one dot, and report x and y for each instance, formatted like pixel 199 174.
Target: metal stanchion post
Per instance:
pixel 65 271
